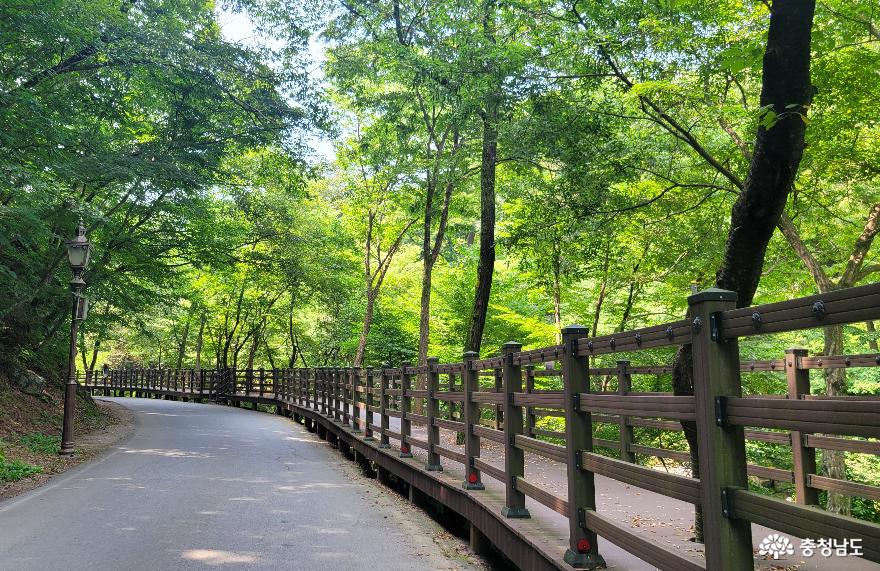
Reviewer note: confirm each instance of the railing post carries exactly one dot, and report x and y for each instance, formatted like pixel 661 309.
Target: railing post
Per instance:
pixel 405 410
pixel 529 426
pixel 432 384
pixel 514 458
pixel 345 379
pixel 328 390
pixel 803 458
pixel 368 406
pixel 321 379
pixel 471 413
pixel 262 380
pixel 624 386
pixel 313 373
pixel 356 396
pixel 383 407
pixel 340 395
pixel 334 393
pixel 583 550
pixel 722 452
pixel 450 405
pixel 499 409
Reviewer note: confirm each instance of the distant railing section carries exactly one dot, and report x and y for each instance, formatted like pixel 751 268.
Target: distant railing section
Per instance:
pixel 453 396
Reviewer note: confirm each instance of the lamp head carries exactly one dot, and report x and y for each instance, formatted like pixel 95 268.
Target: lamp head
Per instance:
pixel 79 250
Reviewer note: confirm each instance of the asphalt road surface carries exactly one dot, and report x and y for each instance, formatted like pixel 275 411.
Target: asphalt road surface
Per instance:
pixel 201 487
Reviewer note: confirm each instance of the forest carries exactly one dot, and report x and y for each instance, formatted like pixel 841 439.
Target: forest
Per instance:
pixel 363 182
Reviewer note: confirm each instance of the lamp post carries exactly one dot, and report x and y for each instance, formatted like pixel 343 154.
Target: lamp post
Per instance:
pixel 79 252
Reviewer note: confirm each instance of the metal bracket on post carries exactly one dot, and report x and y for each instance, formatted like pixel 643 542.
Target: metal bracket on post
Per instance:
pixel 573 347
pixel 582 518
pixel 579 459
pixel 727 503
pixel 721 410
pixel 715 326
pixel 576 402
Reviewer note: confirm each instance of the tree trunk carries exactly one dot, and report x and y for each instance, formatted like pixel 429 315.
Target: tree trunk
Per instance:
pixel 557 298
pixel 200 341
pixel 95 350
pixel 834 461
pixel 365 329
pixel 252 352
pixel 486 264
pixel 872 341
pixel 787 90
pixel 601 299
pixel 181 349
pixel 425 313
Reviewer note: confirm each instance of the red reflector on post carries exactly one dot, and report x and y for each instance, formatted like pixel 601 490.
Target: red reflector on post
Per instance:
pixel 583 545
pixel 472 478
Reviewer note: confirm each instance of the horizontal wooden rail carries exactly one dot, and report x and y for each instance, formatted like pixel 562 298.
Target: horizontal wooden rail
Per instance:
pixel 678 487
pixel 678 407
pixel 802 521
pixel 542 496
pixel 642 547
pixel 852 418
pixel 844 487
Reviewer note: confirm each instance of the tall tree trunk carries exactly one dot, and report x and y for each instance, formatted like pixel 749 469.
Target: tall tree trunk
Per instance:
pixel 601 298
pixel 200 340
pixel 486 264
pixel 427 268
pixel 294 345
pixel 557 294
pixel 425 313
pixel 365 329
pixel 95 351
pixel 834 461
pixel 872 340
pixel 181 349
pixel 786 88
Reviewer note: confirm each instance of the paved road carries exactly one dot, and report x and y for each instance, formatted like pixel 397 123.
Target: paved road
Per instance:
pixel 201 486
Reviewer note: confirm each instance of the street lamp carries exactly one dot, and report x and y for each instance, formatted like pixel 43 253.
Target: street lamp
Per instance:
pixel 79 252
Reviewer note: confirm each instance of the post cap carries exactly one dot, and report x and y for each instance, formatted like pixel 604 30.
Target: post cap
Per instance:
pixel 469 355
pixel 511 346
pixel 433 359
pixel 575 330
pixel 799 351
pixel 712 294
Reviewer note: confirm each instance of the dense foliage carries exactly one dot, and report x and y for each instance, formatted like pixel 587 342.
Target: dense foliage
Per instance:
pixel 623 134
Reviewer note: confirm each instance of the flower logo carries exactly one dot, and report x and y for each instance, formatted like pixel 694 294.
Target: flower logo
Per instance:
pixel 775 546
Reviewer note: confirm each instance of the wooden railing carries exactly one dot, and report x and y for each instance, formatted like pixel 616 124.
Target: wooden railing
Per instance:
pixel 505 385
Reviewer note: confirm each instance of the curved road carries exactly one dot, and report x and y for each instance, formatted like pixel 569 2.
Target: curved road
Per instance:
pixel 202 486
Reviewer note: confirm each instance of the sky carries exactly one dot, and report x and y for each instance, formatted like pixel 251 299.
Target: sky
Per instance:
pixel 237 28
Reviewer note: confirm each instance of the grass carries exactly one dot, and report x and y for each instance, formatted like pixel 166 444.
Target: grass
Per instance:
pixel 41 443
pixel 15 470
